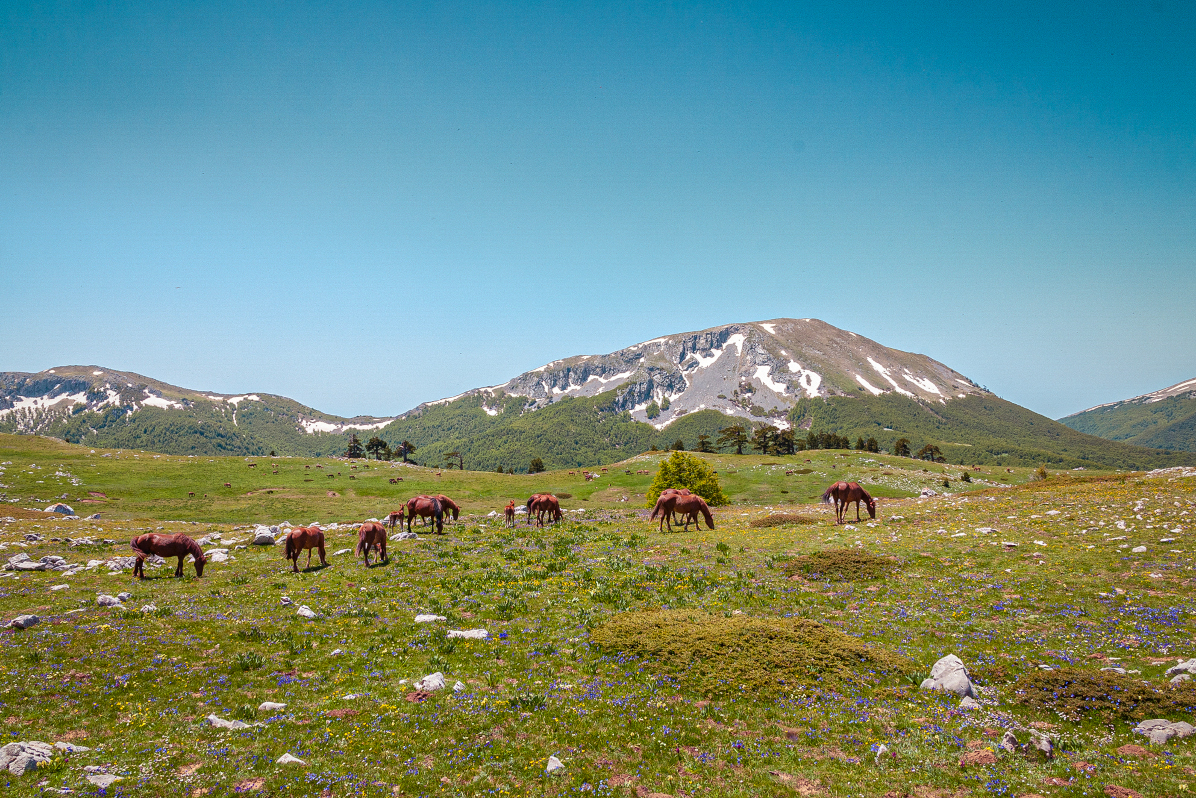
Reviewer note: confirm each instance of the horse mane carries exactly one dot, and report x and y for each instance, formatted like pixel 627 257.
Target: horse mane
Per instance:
pixel 195 551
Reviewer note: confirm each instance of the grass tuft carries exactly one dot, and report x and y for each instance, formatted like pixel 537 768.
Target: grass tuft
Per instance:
pixel 842 565
pixel 781 519
pixel 1075 694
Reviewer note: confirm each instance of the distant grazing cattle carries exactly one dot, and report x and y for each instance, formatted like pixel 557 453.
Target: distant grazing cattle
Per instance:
pixel 190 494
pixel 253 465
pixel 228 484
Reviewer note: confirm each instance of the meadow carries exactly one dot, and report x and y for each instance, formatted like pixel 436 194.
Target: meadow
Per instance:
pixel 778 654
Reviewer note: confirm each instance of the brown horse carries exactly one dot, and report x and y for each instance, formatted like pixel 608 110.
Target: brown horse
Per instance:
pixel 305 537
pixel 448 505
pixel 425 507
pixel 687 506
pixel 843 494
pixel 543 504
pixel 678 492
pixel 509 512
pixel 372 535
pixel 395 518
pixel 178 545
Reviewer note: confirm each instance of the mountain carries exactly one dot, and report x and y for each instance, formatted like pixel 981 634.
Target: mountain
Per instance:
pixel 119 409
pixel 798 374
pixel 1163 419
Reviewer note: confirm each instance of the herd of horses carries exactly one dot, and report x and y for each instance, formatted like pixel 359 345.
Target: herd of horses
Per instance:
pixel 674 506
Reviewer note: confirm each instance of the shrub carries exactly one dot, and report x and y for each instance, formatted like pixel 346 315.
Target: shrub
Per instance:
pixel 535 466
pixel 966 476
pixel 684 470
pixel 713 655
pixel 1074 693
pixel 1041 474
pixel 842 565
pixel 652 410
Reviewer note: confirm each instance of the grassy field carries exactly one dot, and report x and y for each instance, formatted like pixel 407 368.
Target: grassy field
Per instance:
pixel 771 673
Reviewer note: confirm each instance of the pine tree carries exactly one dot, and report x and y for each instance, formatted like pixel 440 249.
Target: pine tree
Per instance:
pixel 704 444
pixel 405 448
pixel 734 435
pixel 678 445
pixel 786 443
pixel 374 446
pixel 901 447
pixel 762 438
pixel 873 445
pixel 535 466
pixel 860 445
pixel 354 451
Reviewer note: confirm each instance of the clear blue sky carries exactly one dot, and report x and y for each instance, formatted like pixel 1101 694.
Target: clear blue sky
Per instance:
pixel 364 207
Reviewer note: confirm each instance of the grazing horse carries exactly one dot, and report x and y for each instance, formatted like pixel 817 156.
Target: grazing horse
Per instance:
pixel 395 518
pixel 448 505
pixel 678 492
pixel 304 537
pixel 425 507
pixel 178 545
pixel 843 494
pixel 543 504
pixel 687 505
pixel 372 535
pixel 509 512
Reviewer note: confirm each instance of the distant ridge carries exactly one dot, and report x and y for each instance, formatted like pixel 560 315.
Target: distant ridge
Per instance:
pixel 801 375
pixel 1163 419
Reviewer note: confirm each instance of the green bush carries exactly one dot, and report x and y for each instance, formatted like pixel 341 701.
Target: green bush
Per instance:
pixel 684 470
pixel 712 655
pixel 1074 693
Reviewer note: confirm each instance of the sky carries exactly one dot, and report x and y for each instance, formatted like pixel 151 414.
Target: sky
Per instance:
pixel 366 206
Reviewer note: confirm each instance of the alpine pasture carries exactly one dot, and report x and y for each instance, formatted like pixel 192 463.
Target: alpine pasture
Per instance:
pixel 778 654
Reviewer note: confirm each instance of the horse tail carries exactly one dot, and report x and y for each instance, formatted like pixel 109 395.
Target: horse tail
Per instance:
pixel 136 549
pixel 826 497
pixel 655 510
pixel 707 514
pixel 530 499
pixel 361 540
pixel 289 547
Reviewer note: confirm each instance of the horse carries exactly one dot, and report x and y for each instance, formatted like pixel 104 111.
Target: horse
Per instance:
pixel 371 535
pixel 678 492
pixel 304 537
pixel 177 545
pixel 509 512
pixel 687 506
pixel 448 505
pixel 543 504
pixel 425 507
pixel 395 518
pixel 843 494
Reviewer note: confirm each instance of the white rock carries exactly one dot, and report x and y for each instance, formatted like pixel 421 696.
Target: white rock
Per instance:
pixel 70 748
pixel 216 555
pixel 58 587
pixel 107 601
pixel 350 696
pixel 469 634
pixel 950 674
pixel 336 652
pixel 1187 666
pixel 459 687
pixel 967 704
pixel 23 622
pixel 62 509
pixel 221 723
pixel 1138 549
pixel 339 552
pixel 270 706
pixel 263 537
pixel 123 597
pixel 554 765
pixel 433 681
pixel 881 750
pixel 305 611
pixel 102 780
pixel 286 601
pixel 150 608
pixel 428 618
pixel 404 536
pixel 287 759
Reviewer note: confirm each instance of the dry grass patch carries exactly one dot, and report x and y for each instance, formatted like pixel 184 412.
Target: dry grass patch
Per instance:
pixel 842 565
pixel 781 519
pixel 1074 693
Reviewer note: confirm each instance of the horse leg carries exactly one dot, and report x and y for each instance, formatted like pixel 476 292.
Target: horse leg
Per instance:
pixel 382 554
pixel 857 511
pixel 295 561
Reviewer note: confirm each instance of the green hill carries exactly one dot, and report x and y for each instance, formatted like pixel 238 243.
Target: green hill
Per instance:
pixel 1163 424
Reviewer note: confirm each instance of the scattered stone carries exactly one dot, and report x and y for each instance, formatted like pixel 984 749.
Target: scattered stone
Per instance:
pixel 262 536
pixel 428 618
pixel 23 622
pixel 1009 742
pixel 221 723
pixel 881 750
pixel 431 682
pixel 216 555
pixel 1183 677
pixel 950 674
pixel 305 611
pixel 1041 745
pixel 150 608
pixel 70 748
pixel 287 759
pixel 339 552
pixel 107 601
pixel 554 765
pixel 336 652
pixel 93 517
pixel 468 634
pixel 459 687
pixel 270 706
pixel 56 588
pixel 985 530
pixel 60 508
pixel 102 780
pixel 124 596
pixel 21 758
pixel 286 601
pixel 968 704
pixel 1138 549
pixel 1188 666
pixel 928 493
pixel 404 536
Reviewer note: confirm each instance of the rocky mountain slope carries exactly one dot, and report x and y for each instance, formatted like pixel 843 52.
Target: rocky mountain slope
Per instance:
pixel 756 371
pixel 105 407
pixel 1163 419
